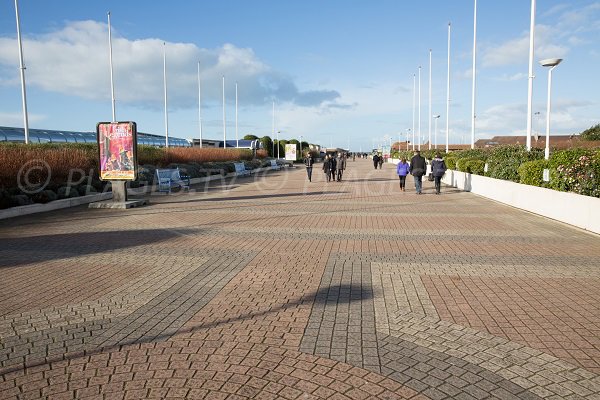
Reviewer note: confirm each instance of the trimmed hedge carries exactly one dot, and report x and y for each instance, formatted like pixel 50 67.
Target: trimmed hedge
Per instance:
pixel 532 173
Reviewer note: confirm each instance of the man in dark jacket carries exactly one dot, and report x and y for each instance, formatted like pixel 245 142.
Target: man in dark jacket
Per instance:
pixel 375 160
pixel 308 163
pixel 333 166
pixel 438 168
pixel 327 167
pixel 418 167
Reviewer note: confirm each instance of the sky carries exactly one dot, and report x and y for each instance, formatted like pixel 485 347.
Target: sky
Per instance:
pixel 340 72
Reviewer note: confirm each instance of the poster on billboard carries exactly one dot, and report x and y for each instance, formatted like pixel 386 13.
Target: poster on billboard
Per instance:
pixel 290 152
pixel 117 148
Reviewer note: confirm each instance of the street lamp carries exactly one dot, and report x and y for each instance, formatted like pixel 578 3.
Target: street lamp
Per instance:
pixel 551 63
pixel 436 117
pixel 407 136
pixel 278 132
pixel 300 145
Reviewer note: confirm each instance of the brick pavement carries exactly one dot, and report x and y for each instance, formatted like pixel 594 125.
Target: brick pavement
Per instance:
pixel 270 287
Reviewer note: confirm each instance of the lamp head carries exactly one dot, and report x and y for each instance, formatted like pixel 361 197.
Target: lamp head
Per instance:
pixel 550 62
pixel 436 116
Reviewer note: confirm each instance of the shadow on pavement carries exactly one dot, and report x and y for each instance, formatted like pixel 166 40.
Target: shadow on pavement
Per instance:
pixel 339 295
pixel 260 196
pixel 33 249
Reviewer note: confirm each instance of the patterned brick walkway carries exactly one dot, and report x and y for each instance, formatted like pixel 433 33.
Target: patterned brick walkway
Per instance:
pixel 273 288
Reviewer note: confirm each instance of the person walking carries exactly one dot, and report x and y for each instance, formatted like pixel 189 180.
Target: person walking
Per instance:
pixel 308 163
pixel 333 166
pixel 381 161
pixel 375 160
pixel 418 167
pixel 402 170
pixel 438 169
pixel 327 168
pixel 341 166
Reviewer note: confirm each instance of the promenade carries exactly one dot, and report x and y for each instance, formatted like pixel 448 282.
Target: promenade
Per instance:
pixel 275 288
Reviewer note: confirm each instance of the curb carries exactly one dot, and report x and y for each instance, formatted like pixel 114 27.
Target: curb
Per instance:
pixel 53 205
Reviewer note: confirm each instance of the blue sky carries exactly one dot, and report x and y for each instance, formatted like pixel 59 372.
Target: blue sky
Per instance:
pixel 340 71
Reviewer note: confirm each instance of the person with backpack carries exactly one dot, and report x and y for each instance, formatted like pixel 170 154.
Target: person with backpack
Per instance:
pixel 418 167
pixel 438 168
pixel 402 170
pixel 308 163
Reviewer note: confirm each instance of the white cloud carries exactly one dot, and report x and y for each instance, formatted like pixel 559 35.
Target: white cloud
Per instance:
pixel 551 40
pixel 514 77
pixel 74 61
pixel 16 119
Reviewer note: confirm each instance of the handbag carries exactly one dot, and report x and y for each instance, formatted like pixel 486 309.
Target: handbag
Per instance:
pixel 430 177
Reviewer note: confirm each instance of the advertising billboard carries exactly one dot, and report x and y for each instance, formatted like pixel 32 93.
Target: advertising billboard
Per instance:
pixel 290 152
pixel 117 147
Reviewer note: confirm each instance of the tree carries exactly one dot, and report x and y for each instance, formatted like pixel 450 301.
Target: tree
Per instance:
pixel 250 137
pixel 267 144
pixel 592 133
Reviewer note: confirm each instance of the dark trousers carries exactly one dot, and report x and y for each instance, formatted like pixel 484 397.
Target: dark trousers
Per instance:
pixel 375 164
pixel 438 183
pixel 333 174
pixel 339 174
pixel 402 181
pixel 309 173
pixel 328 175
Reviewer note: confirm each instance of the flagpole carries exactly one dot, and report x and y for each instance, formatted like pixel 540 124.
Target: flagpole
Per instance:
pixel 112 82
pixel 165 87
pixel 429 115
pixel 531 76
pixel 448 92
pixel 413 110
pixel 420 138
pixel 22 70
pixel 237 140
pixel 199 105
pixel 224 123
pixel 474 76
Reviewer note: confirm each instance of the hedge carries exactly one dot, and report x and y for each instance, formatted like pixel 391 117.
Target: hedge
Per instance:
pixel 532 172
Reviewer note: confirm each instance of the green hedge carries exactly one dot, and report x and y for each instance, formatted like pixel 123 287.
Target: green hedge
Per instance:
pixel 504 161
pixel 532 172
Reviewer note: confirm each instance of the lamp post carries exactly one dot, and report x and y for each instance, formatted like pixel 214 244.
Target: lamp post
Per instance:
pixel 419 113
pixel 473 87
pixel 429 114
pixel 413 109
pixel 110 61
pixel 22 72
pixel 278 132
pixel 407 141
pixel 436 117
pixel 531 76
pixel 224 120
pixel 551 63
pixel 448 93
pixel 300 145
pixel 165 90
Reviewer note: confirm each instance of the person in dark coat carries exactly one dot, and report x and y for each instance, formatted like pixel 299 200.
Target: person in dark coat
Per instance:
pixel 333 166
pixel 418 167
pixel 381 161
pixel 308 163
pixel 327 167
pixel 341 166
pixel 438 168
pixel 375 160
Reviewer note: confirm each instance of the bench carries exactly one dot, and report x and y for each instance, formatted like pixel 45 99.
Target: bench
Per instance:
pixel 171 178
pixel 240 169
pixel 275 166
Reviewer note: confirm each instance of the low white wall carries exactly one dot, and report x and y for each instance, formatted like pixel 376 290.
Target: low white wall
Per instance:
pixel 571 208
pixel 53 205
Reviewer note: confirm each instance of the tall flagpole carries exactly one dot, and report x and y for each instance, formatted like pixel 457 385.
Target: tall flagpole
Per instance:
pixel 112 82
pixel 273 130
pixel 429 115
pixel 414 105
pixel 224 123
pixel 448 92
pixel 474 76
pixel 531 76
pixel 165 87
pixel 420 138
pixel 237 140
pixel 199 105
pixel 22 70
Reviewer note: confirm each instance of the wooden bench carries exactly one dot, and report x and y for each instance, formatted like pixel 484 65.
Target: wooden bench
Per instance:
pixel 167 179
pixel 240 169
pixel 275 166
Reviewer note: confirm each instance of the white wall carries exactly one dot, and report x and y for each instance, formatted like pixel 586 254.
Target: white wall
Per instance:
pixel 571 208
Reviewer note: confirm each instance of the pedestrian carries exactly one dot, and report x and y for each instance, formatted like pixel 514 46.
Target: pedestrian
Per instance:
pixel 375 160
pixel 333 166
pixel 418 167
pixel 327 168
pixel 402 170
pixel 353 157
pixel 438 168
pixel 380 161
pixel 308 163
pixel 341 166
